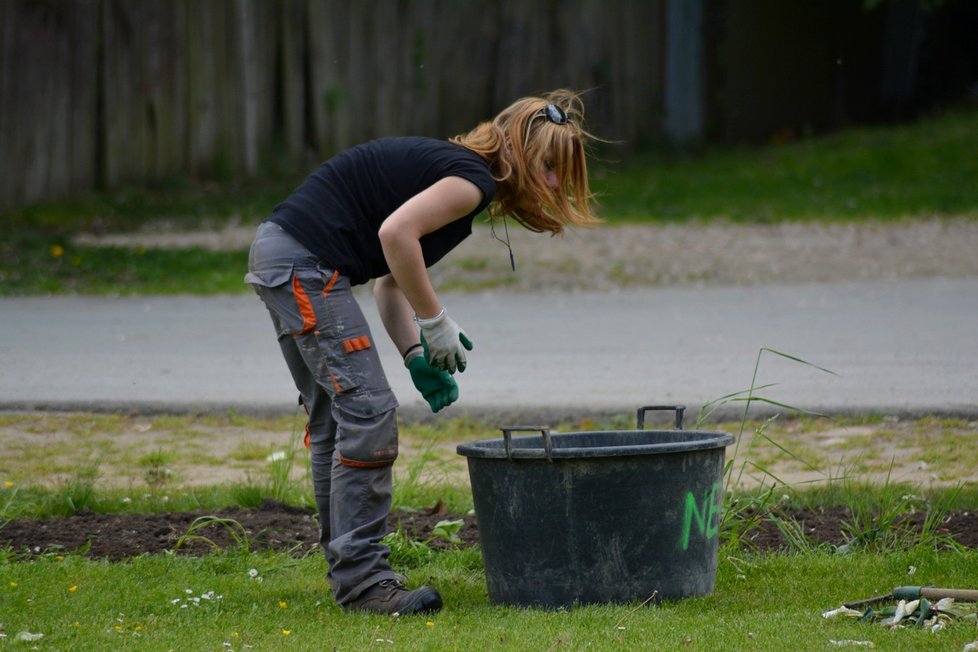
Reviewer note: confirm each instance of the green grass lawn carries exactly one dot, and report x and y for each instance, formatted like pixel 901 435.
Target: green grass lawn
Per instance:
pixel 883 173
pixel 770 602
pixel 37 268
pixel 924 169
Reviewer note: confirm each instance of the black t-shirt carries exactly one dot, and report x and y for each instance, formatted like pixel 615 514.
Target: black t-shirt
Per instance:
pixel 337 211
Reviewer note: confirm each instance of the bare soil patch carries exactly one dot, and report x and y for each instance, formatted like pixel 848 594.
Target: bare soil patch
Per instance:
pixel 826 525
pixel 278 527
pixel 273 526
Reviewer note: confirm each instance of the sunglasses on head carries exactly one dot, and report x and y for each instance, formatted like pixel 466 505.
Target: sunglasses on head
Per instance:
pixel 555 114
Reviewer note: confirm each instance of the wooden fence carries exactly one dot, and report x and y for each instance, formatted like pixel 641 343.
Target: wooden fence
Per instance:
pixel 101 93
pixel 98 93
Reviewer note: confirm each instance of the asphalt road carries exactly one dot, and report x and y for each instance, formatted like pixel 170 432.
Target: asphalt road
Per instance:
pixel 902 347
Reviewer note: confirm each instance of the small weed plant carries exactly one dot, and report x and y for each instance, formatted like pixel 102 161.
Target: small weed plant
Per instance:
pixel 407 552
pixel 77 492
pixel 233 528
pixel 156 473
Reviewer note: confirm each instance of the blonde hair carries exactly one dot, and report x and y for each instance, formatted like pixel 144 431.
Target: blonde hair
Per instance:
pixel 520 143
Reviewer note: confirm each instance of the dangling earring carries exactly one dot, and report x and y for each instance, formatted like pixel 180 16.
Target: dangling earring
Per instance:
pixel 492 230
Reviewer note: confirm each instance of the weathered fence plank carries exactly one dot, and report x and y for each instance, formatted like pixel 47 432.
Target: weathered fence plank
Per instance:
pixel 100 93
pixel 327 39
pixel 47 90
pixel 289 96
pixel 143 90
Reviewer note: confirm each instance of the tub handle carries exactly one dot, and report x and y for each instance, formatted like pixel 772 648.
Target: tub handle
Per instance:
pixel 508 435
pixel 680 409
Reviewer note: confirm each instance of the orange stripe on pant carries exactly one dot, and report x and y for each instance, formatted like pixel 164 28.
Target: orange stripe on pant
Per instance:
pixel 336 385
pixel 308 314
pixel 304 304
pixel 330 284
pixel 305 307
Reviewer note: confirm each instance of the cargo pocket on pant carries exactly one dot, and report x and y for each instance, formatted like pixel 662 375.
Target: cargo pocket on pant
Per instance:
pixel 364 393
pixel 362 388
pixel 271 277
pixel 271 286
pixel 367 442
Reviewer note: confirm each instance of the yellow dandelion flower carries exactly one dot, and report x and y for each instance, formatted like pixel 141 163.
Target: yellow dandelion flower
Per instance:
pixel 13 585
pixel 286 632
pixel 429 624
pixel 59 558
pixel 282 604
pixel 118 628
pixel 235 635
pixel 9 484
pixel 73 588
pixel 57 251
pixel 138 628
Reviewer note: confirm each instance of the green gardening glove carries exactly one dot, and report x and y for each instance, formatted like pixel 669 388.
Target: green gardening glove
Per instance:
pixel 436 386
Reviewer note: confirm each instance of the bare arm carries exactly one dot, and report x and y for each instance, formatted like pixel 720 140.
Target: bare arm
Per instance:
pixel 400 234
pixel 395 313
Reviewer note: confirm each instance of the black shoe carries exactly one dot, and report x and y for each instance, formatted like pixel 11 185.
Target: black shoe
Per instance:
pixel 391 596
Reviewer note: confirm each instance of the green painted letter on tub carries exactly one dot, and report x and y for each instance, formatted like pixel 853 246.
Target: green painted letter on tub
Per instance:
pixel 706 515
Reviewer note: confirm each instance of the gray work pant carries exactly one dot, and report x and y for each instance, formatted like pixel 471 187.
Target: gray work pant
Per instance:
pixel 328 348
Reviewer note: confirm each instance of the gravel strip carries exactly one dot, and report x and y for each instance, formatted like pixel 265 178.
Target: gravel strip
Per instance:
pixel 714 254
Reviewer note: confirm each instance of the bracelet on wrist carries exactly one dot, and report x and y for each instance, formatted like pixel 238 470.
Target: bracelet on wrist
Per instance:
pixel 411 349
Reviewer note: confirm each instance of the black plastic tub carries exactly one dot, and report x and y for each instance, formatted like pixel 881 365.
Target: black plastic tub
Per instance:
pixel 598 517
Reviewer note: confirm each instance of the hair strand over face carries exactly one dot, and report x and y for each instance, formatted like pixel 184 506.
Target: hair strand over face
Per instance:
pixel 521 144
